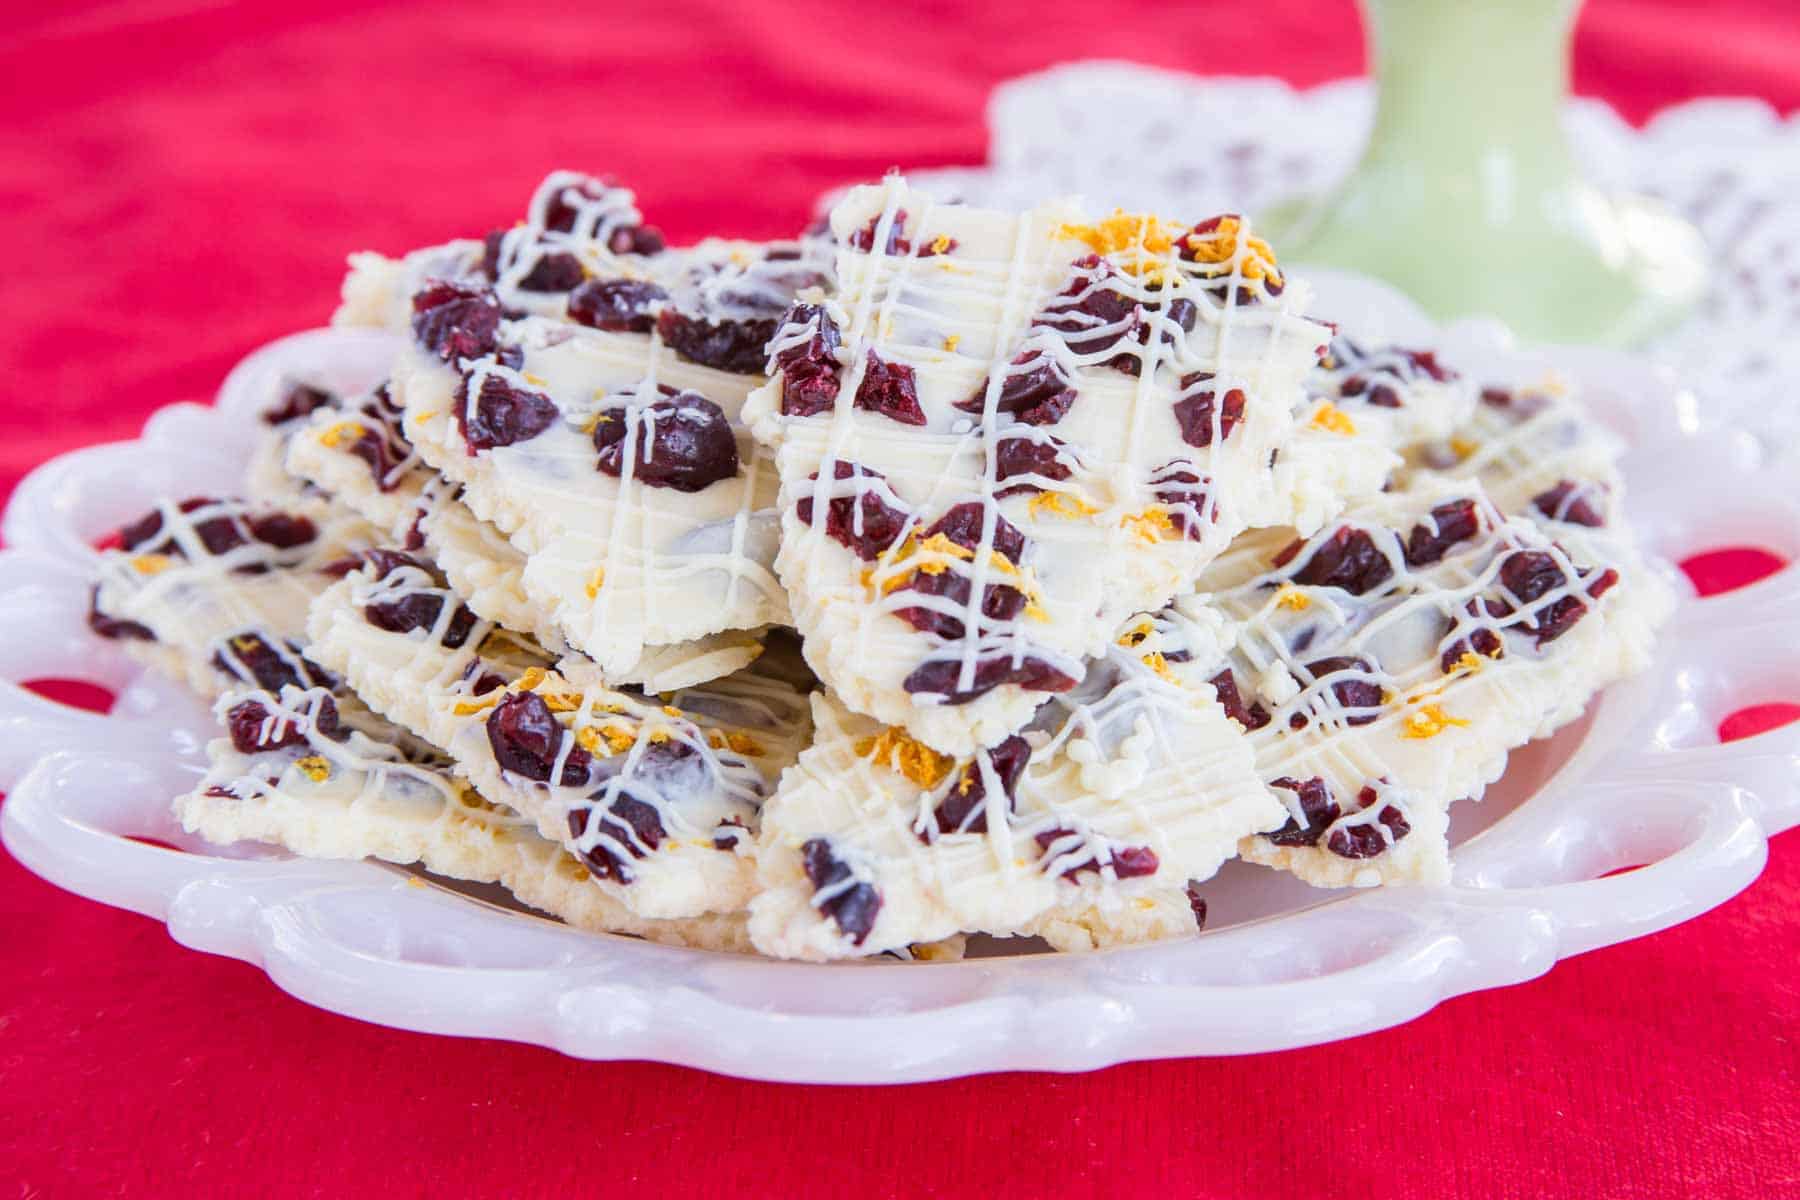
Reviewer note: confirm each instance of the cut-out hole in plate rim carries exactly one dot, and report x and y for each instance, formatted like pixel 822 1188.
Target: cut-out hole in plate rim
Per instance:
pixel 1281 964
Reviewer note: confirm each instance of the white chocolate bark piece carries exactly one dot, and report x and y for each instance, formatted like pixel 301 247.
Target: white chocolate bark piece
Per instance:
pixel 1129 786
pixel 292 774
pixel 357 452
pixel 1386 666
pixel 1403 396
pixel 582 385
pixel 1008 433
pixel 1365 406
pixel 658 796
pixel 215 591
pixel 377 291
pixel 619 563
pixel 1538 454
pixel 585 266
pixel 353 449
pixel 1154 916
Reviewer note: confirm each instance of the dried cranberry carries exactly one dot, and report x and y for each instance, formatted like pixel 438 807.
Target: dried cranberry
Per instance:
pixel 1197 905
pixel 300 400
pixel 1520 405
pixel 684 443
pixel 456 321
pixel 218 534
pixel 1366 841
pixel 421 610
pixel 1353 694
pixel 940 677
pixel 1566 502
pixel 560 216
pixel 1039 394
pixel 1531 574
pixel 853 908
pixel 897 243
pixel 1184 314
pixel 526 737
pixel 1127 862
pixel 1451 522
pixel 1023 455
pixel 1232 701
pixel 416 609
pixel 809 366
pixel 999 602
pixel 735 346
pixel 114 627
pixel 247 721
pixel 1376 376
pixel 730 834
pixel 1194 411
pixel 381 444
pixel 504 415
pixel 1347 559
pixel 557 271
pixel 1246 293
pixel 254 659
pixel 616 305
pixel 1317 808
pixel 284 531
pixel 1091 313
pixel 889 389
pixel 1482 641
pixel 627 822
pixel 964 807
pixel 134 535
pixel 1186 498
pixel 862 522
pixel 962 524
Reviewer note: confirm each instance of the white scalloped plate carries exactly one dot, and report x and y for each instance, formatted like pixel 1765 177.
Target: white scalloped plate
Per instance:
pixel 1641 781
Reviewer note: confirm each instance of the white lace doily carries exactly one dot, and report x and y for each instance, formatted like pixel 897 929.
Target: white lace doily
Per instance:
pixel 1140 137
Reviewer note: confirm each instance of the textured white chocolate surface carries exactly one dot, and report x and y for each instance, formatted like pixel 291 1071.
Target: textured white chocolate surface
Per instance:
pixel 1130 785
pixel 228 617
pixel 361 796
pixel 1399 655
pixel 618 564
pixel 959 363
pixel 698 762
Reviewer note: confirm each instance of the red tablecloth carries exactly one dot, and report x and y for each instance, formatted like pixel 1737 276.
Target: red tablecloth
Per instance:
pixel 180 183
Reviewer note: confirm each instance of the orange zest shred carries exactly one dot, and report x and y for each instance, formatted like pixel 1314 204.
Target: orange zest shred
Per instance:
pixel 315 767
pixel 1220 245
pixel 1292 598
pixel 740 743
pixel 608 739
pixel 894 749
pixel 1152 525
pixel 1123 231
pixel 343 431
pixel 1333 419
pixel 1060 503
pixel 1137 634
pixel 1429 721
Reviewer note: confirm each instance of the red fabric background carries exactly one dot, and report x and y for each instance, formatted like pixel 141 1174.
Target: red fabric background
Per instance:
pixel 180 183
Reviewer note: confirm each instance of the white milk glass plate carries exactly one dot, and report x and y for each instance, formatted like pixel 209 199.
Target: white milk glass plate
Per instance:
pixel 1641 781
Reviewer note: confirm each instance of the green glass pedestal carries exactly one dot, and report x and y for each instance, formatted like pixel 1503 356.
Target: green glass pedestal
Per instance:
pixel 1468 198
